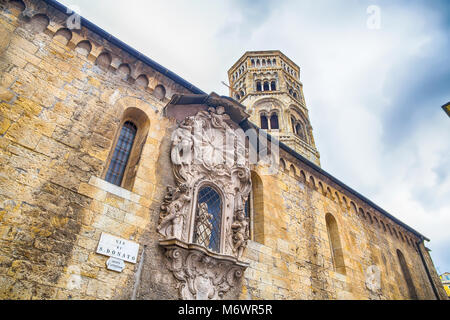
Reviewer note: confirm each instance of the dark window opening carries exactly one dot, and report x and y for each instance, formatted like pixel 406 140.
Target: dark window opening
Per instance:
pixel 121 154
pixel 264 122
pixel 274 122
pixel 273 86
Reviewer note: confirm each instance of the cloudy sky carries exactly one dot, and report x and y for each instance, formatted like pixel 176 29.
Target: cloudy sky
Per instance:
pixel 374 87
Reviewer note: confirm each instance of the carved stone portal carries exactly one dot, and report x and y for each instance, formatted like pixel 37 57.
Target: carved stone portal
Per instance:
pixel 208 151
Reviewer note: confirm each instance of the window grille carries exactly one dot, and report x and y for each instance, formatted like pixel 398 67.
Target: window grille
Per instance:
pixel 207 231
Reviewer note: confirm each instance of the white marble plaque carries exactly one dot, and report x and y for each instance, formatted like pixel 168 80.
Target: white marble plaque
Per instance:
pixel 115 264
pixel 112 246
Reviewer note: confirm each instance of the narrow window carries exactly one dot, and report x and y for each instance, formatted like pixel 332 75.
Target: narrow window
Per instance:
pixel 121 154
pixel 407 275
pixel 209 219
pixel 273 86
pixel 274 122
pixel 264 122
pixel 335 244
pixel 266 86
pixel 258 86
pixel 257 209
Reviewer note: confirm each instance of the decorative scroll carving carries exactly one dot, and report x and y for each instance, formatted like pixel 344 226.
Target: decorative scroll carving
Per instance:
pixel 201 277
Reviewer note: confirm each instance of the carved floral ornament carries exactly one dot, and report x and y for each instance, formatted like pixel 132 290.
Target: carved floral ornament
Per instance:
pixel 202 220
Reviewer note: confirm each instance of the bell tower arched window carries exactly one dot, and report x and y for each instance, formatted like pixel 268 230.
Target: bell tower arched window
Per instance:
pixel 208 220
pixel 125 155
pixel 264 122
pixel 274 122
pixel 273 86
pixel 121 154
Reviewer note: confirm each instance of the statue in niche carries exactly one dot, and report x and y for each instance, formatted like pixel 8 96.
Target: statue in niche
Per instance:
pixel 172 224
pixel 182 142
pixel 203 226
pixel 240 233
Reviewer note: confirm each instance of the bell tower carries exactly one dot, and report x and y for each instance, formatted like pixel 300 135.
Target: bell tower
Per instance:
pixel 268 84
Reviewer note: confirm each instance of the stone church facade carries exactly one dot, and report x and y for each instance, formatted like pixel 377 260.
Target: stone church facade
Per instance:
pixel 223 197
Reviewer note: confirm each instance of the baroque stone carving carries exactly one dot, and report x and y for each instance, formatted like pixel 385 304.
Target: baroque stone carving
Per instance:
pixel 201 277
pixel 207 151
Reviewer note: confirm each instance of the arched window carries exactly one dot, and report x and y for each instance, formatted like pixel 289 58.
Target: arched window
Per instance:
pixel 121 154
pixel 258 86
pixel 266 86
pixel 253 63
pixel 274 122
pixel 335 244
pixel 273 86
pixel 299 131
pixel 208 221
pixel 123 162
pixel 407 275
pixel 264 122
pixel 274 61
pixel 257 211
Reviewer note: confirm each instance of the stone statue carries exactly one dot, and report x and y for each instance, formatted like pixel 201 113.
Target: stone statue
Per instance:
pixel 172 224
pixel 240 233
pixel 182 142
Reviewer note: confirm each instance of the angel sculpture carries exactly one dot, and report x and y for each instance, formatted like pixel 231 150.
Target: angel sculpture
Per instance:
pixel 240 233
pixel 171 225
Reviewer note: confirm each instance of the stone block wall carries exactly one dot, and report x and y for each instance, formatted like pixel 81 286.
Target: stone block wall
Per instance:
pixel 293 259
pixel 60 109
